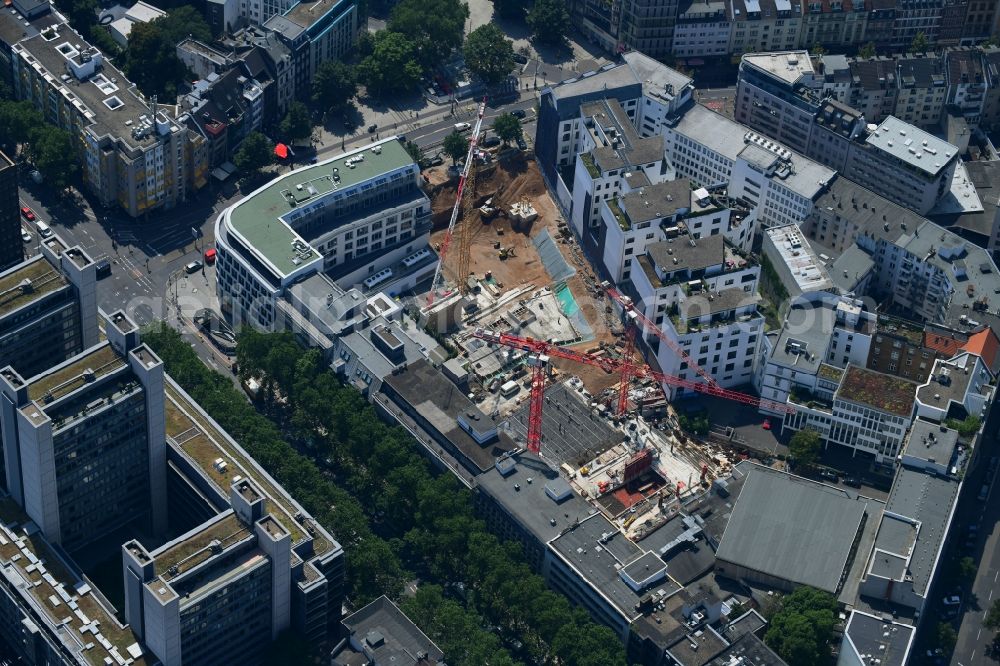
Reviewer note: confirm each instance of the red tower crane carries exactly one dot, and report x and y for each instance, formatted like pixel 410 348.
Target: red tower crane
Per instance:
pixel 647 323
pixel 542 351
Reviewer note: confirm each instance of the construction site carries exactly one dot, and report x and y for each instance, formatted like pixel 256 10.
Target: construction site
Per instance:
pixel 510 265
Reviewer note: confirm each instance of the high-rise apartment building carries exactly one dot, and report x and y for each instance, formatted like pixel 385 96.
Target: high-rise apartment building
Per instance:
pixel 83 442
pixel 217 594
pixel 48 308
pixel 133 153
pixel 11 248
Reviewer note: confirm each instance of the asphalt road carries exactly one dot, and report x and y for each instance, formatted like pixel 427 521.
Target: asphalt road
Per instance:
pixel 146 253
pixel 973 637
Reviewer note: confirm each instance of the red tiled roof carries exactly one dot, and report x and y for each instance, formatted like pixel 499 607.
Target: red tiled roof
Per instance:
pixel 985 345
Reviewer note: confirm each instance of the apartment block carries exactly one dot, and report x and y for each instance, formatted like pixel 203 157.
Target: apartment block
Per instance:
pixel 966 83
pixel 84 443
pixel 922 92
pixel 218 594
pixel 771 96
pixel 361 218
pixel 702 293
pixel 840 24
pixel 702 29
pixel 764 25
pixel 650 93
pixel 716 152
pixel 958 386
pixel 793 261
pixel 134 154
pixel 873 87
pixel 11 247
pixel 48 308
pixel 314 32
pixel 904 164
pixel 821 334
pixel 647 26
pixel 869 412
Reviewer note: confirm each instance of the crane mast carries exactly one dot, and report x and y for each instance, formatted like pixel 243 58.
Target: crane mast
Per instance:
pixel 473 140
pixel 542 351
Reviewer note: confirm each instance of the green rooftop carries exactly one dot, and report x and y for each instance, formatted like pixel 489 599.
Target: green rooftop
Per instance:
pixel 204 444
pixel 256 218
pixel 227 531
pixel 884 392
pixel 44 278
pixel 102 360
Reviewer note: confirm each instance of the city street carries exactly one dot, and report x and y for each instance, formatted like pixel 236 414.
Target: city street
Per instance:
pixel 148 255
pixel 973 637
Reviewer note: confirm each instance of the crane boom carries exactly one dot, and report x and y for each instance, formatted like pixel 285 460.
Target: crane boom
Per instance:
pixel 629 306
pixel 639 371
pixel 473 140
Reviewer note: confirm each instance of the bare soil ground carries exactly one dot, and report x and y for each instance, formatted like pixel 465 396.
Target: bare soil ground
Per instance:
pixel 510 179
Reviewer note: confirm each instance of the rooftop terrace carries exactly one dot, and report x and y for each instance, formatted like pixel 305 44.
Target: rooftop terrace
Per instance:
pixel 884 392
pixel 256 219
pixel 44 278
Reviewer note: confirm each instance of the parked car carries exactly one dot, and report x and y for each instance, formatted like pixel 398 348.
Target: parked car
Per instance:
pixel 193 267
pixel 372 128
pixel 520 59
pixel 984 492
pixel 519 113
pixel 462 127
pixel 103 269
pixel 852 481
pixel 953 600
pixel 827 475
pixel 521 144
pixel 437 160
pixel 27 214
pixel 26 236
pixel 491 141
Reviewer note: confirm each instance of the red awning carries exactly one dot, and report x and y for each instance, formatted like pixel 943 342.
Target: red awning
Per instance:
pixel 281 150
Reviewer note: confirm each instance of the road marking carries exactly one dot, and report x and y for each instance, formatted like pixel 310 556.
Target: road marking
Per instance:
pixel 991 595
pixel 979 633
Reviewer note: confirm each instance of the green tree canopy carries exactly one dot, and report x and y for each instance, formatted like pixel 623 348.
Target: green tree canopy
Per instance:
pixel 54 151
pixel 296 126
pixel 867 51
pixel 455 146
pixel 507 127
pixel 435 27
pixel 818 49
pixel 392 66
pixel 511 9
pixel 549 21
pixel 945 636
pixel 801 629
pixel 17 120
pixel 920 43
pixel 334 85
pixel 253 155
pixel 992 620
pixel 805 447
pixel 414 150
pixel 151 57
pixel 489 54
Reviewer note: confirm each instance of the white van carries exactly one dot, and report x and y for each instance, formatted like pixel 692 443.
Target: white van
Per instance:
pixel 43 229
pixel 509 388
